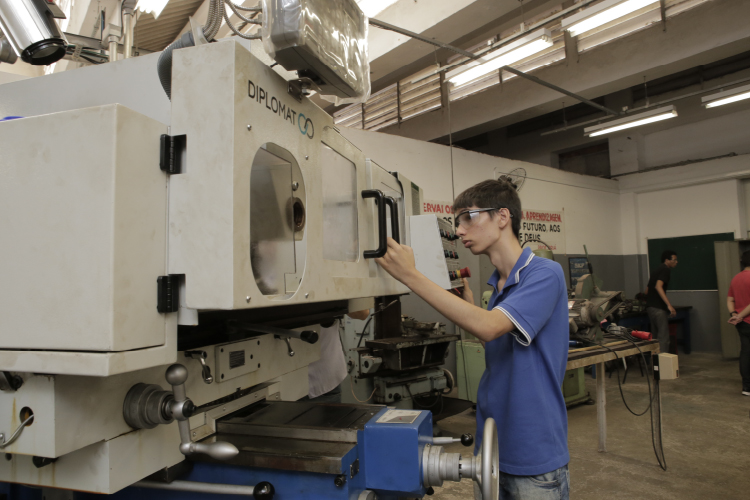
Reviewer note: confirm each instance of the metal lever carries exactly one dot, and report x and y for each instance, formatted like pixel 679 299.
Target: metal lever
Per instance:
pixel 205 369
pixel 181 409
pixel 288 344
pixel 465 439
pixel 308 336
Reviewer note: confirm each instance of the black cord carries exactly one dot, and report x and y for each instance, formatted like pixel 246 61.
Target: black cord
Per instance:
pixel 367 323
pixel 660 459
pixel 438 399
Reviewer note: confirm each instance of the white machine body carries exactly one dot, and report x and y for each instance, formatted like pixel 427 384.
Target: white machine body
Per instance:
pixel 266 212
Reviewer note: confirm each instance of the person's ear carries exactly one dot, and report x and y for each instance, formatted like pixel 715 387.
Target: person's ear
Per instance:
pixel 503 218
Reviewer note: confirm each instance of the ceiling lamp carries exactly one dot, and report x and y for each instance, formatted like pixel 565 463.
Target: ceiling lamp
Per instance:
pixel 651 116
pixel 726 97
pixel 601 14
pixel 515 51
pixel 31 31
pixel 153 7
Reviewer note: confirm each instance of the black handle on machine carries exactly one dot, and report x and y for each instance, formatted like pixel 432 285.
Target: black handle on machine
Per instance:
pixel 395 233
pixel 382 231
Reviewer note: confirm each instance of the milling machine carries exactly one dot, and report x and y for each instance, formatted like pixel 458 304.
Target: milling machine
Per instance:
pixel 195 248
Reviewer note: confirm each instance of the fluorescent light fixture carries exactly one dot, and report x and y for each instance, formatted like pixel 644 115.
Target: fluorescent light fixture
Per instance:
pixel 601 14
pixel 515 51
pixel 372 8
pixel 651 116
pixel 152 6
pixel 726 97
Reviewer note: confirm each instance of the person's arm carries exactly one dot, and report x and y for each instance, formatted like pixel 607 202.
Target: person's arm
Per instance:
pixel 468 296
pixel 485 325
pixel 660 290
pixel 360 315
pixel 731 306
pixel 740 316
pixel 732 311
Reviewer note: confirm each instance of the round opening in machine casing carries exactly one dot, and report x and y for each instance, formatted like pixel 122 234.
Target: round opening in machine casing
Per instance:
pixel 298 215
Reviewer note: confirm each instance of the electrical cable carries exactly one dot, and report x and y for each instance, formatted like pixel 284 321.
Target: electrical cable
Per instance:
pixel 438 398
pixel 453 193
pixel 234 8
pixel 242 7
pixel 367 323
pixel 15 434
pixel 453 381
pixel 245 19
pixel 351 384
pixel 660 459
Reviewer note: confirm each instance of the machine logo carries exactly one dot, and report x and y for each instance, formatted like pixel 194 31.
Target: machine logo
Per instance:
pixel 275 106
pixel 309 129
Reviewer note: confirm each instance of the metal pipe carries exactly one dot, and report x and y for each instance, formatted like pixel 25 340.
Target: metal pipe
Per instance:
pixel 113 49
pixel 195 487
pixel 381 24
pixel 417 36
pixel 559 89
pixel 128 28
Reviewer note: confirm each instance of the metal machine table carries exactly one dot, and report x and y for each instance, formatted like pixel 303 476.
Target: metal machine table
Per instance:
pixel 598 357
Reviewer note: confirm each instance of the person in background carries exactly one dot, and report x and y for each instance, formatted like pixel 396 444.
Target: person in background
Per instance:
pixel 658 308
pixel 738 304
pixel 325 375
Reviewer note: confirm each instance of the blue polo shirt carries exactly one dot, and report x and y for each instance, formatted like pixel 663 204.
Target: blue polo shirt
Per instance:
pixel 521 386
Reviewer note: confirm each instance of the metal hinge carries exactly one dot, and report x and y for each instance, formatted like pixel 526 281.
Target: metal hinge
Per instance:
pixel 167 293
pixel 170 149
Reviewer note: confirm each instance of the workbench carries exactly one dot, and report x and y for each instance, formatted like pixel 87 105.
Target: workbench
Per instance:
pixel 638 320
pixel 578 358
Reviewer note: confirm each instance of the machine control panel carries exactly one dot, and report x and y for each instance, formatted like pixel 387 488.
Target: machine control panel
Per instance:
pixel 449 240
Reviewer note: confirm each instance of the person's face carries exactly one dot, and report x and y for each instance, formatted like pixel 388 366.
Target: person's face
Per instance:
pixel 671 263
pixel 478 230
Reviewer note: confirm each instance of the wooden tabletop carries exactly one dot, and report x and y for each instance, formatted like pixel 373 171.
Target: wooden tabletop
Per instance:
pixel 577 359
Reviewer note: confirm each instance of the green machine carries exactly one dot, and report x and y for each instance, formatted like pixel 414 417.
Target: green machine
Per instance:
pixel 470 353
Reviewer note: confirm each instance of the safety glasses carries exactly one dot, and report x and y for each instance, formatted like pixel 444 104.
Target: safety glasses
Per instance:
pixel 466 218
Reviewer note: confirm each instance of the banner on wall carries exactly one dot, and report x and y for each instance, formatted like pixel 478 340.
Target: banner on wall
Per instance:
pixel 543 225
pixel 535 224
pixel 439 208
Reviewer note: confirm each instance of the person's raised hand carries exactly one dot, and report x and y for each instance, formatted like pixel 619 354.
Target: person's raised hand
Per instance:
pixel 399 262
pixel 466 293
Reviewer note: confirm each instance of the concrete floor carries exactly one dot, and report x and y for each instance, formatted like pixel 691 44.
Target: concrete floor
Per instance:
pixel 706 439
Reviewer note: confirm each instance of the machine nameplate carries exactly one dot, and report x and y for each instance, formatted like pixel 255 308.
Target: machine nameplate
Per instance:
pixel 237 358
pixel 399 417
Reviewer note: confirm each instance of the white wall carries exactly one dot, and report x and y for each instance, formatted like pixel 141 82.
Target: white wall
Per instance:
pixel 591 205
pixel 676 212
pixel 700 198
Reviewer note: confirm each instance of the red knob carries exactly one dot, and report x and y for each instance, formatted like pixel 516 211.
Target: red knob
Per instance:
pixel 464 273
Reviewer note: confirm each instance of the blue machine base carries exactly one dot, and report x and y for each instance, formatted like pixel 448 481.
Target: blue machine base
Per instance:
pixel 288 486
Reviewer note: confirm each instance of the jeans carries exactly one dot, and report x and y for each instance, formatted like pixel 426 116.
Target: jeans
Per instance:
pixel 659 326
pixel 744 330
pixel 553 485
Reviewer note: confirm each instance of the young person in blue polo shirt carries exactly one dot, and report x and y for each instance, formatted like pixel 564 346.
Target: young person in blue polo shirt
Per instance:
pixel 525 333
